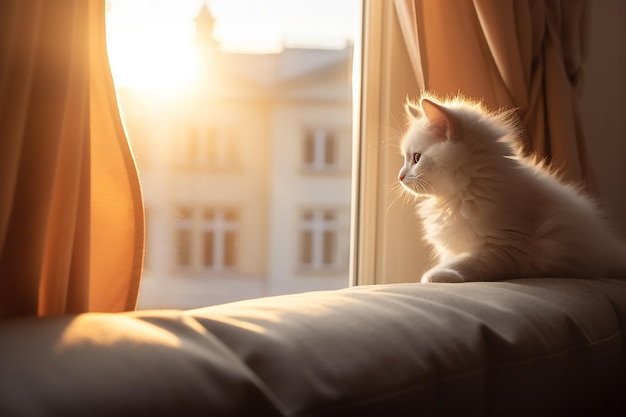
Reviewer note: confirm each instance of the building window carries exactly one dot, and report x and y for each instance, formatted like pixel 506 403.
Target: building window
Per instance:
pixel 318 239
pixel 320 150
pixel 208 147
pixel 207 239
pixel 184 242
pixel 219 228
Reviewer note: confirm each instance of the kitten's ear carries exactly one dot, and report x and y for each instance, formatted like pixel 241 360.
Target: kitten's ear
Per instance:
pixel 412 110
pixel 440 117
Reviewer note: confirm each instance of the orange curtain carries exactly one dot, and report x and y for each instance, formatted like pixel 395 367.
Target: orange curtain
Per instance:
pixel 516 54
pixel 71 214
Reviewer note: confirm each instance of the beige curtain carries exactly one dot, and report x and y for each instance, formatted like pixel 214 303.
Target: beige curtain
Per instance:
pixel 511 53
pixel 71 215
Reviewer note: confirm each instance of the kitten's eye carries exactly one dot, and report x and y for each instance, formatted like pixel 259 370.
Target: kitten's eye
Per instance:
pixel 416 157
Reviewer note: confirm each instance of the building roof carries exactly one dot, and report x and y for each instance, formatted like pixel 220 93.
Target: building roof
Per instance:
pixel 288 65
pixel 267 70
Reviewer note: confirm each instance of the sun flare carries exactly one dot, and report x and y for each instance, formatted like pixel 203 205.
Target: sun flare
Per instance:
pixel 150 44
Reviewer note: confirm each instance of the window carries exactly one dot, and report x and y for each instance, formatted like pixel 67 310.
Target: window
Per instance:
pixel 219 228
pixel 206 239
pixel 184 237
pixel 208 147
pixel 318 239
pixel 320 150
pixel 234 122
pixel 183 240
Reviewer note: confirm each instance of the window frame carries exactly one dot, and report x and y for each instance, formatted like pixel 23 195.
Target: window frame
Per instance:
pixel 322 139
pixel 197 226
pixel 214 145
pixel 318 226
pixel 386 244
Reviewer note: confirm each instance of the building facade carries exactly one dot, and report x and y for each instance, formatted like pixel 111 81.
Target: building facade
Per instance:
pixel 246 177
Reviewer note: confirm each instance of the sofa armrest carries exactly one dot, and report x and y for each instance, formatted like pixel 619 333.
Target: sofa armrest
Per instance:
pixel 522 347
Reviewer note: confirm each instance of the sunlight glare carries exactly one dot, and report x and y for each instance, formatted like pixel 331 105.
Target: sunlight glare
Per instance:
pixel 96 329
pixel 150 44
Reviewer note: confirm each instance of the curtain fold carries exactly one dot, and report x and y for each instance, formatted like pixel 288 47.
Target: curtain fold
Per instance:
pixel 518 54
pixel 71 214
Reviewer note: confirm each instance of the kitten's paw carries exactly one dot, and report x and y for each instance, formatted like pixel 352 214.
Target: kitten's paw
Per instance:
pixel 442 275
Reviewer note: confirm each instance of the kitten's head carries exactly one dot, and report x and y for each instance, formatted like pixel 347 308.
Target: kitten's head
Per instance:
pixel 449 143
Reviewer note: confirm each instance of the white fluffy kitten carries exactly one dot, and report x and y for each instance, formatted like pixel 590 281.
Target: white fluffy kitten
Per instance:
pixel 491 213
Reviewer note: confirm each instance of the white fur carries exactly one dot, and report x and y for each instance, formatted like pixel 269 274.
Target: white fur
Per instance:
pixel 491 213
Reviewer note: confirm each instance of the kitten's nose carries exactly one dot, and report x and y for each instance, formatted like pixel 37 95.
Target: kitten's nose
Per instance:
pixel 400 177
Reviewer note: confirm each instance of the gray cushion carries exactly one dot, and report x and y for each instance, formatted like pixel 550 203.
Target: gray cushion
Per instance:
pixel 521 347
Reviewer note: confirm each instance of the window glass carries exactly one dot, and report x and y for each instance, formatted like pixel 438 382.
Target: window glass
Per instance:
pixel 320 151
pixel 319 230
pixel 307 247
pixel 209 249
pixel 329 247
pixel 309 149
pixel 231 130
pixel 230 247
pixel 329 149
pixel 184 247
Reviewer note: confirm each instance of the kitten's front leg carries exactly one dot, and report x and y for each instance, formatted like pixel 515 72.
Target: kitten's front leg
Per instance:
pixel 442 274
pixel 463 269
